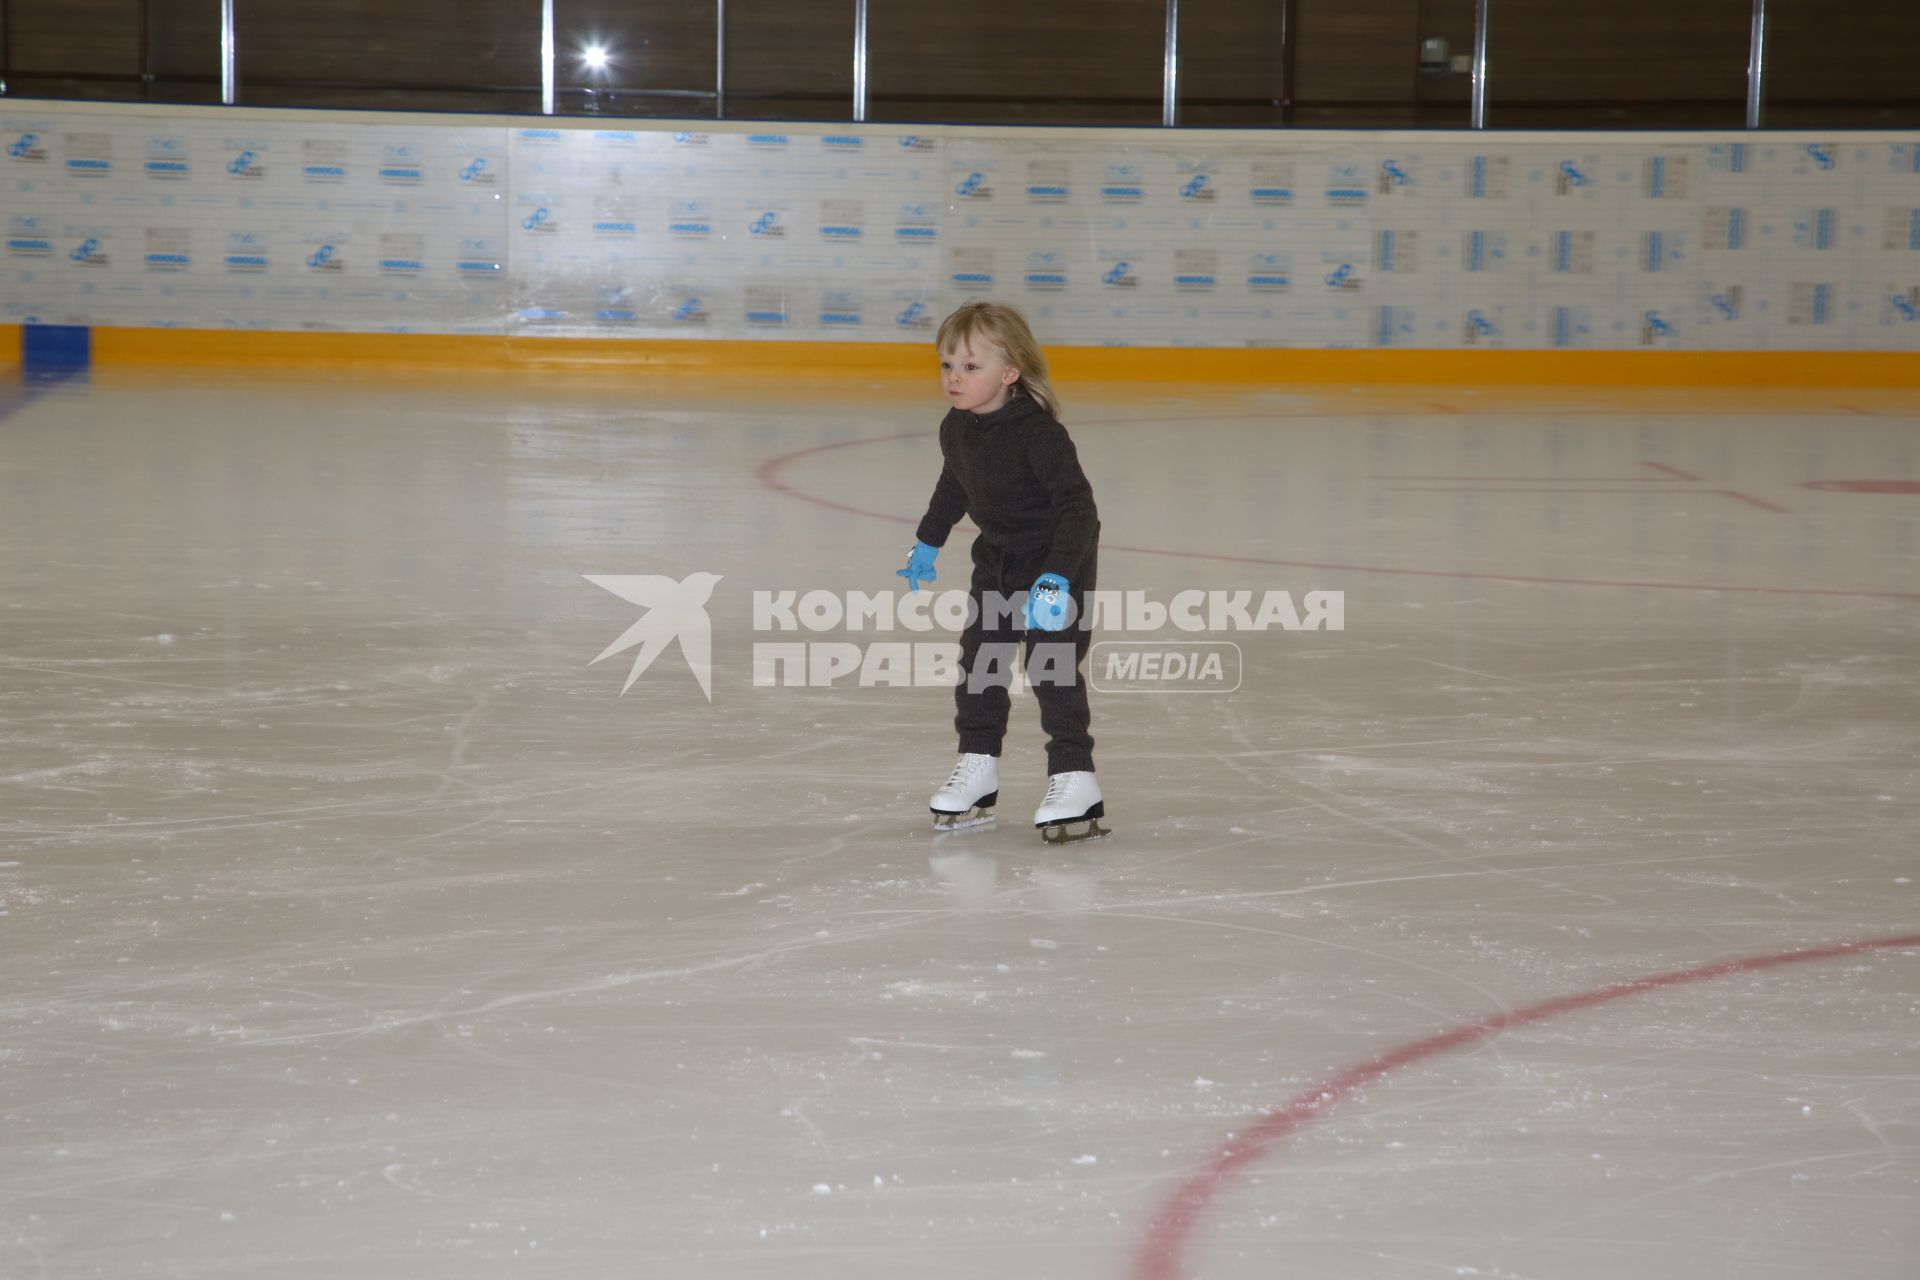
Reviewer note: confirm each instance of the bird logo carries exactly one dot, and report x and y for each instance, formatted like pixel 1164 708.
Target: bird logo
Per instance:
pixel 675 610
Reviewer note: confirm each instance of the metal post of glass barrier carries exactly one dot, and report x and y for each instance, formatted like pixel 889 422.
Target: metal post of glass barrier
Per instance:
pixel 859 61
pixel 1757 64
pixel 546 57
pixel 229 56
pixel 1170 76
pixel 1480 16
pixel 719 59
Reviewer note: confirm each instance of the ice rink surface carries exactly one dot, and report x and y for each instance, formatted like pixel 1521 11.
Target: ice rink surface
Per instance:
pixel 353 923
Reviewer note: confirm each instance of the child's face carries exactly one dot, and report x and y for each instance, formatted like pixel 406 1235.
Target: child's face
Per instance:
pixel 976 376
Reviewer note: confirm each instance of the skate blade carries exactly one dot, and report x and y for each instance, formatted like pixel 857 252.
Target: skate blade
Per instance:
pixel 1064 833
pixel 973 819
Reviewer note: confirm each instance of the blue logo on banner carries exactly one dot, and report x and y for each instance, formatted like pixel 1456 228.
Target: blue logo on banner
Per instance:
pixel 1477 179
pixel 1196 188
pixel 540 219
pixel 1904 307
pixel 1476 251
pixel 1267 273
pixel 767 224
pixel 974 185
pixel 842 142
pixel 690 220
pixel 1394 173
pixel 89 253
pixel 1120 276
pixel 773 140
pixel 1342 277
pixel 1656 251
pixel 473 168
pixel 1571 176
pixel 477 258
pixel 914 316
pixel 245 164
pixel 1823 156
pixel 1727 305
pixel 325 258
pixel 1655 326
pixel 26 147
pixel 692 311
pixel 1123 185
pixel 246 253
pixel 165 159
pixel 399 168
pixel 90 168
pixel 1736 228
pixel 1479 325
pixel 840 310
pixel 27 238
pixel 915 222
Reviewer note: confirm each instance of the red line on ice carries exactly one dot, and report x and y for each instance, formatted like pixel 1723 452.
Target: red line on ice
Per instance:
pixel 770 477
pixel 1161 1254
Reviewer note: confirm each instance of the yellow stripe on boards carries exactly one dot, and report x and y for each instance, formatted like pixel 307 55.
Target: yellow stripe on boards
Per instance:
pixel 1293 366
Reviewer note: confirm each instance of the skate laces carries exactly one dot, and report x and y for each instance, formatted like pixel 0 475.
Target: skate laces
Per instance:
pixel 1057 787
pixel 965 768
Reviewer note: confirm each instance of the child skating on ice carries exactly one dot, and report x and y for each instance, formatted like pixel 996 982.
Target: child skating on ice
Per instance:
pixel 1009 465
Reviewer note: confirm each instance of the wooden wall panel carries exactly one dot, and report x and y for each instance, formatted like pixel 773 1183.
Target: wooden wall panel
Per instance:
pixel 1080 60
pixel 790 61
pixel 1637 63
pixel 447 44
pixel 1844 50
pixel 653 44
pixel 97 36
pixel 1358 51
pixel 1625 50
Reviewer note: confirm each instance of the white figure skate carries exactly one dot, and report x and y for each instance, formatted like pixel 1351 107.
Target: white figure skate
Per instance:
pixel 1072 799
pixel 968 798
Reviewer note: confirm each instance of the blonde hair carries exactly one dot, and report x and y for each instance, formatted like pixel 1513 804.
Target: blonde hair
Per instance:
pixel 1006 329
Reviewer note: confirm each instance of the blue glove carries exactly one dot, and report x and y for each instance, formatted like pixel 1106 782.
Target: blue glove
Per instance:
pixel 919 565
pixel 1048 603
